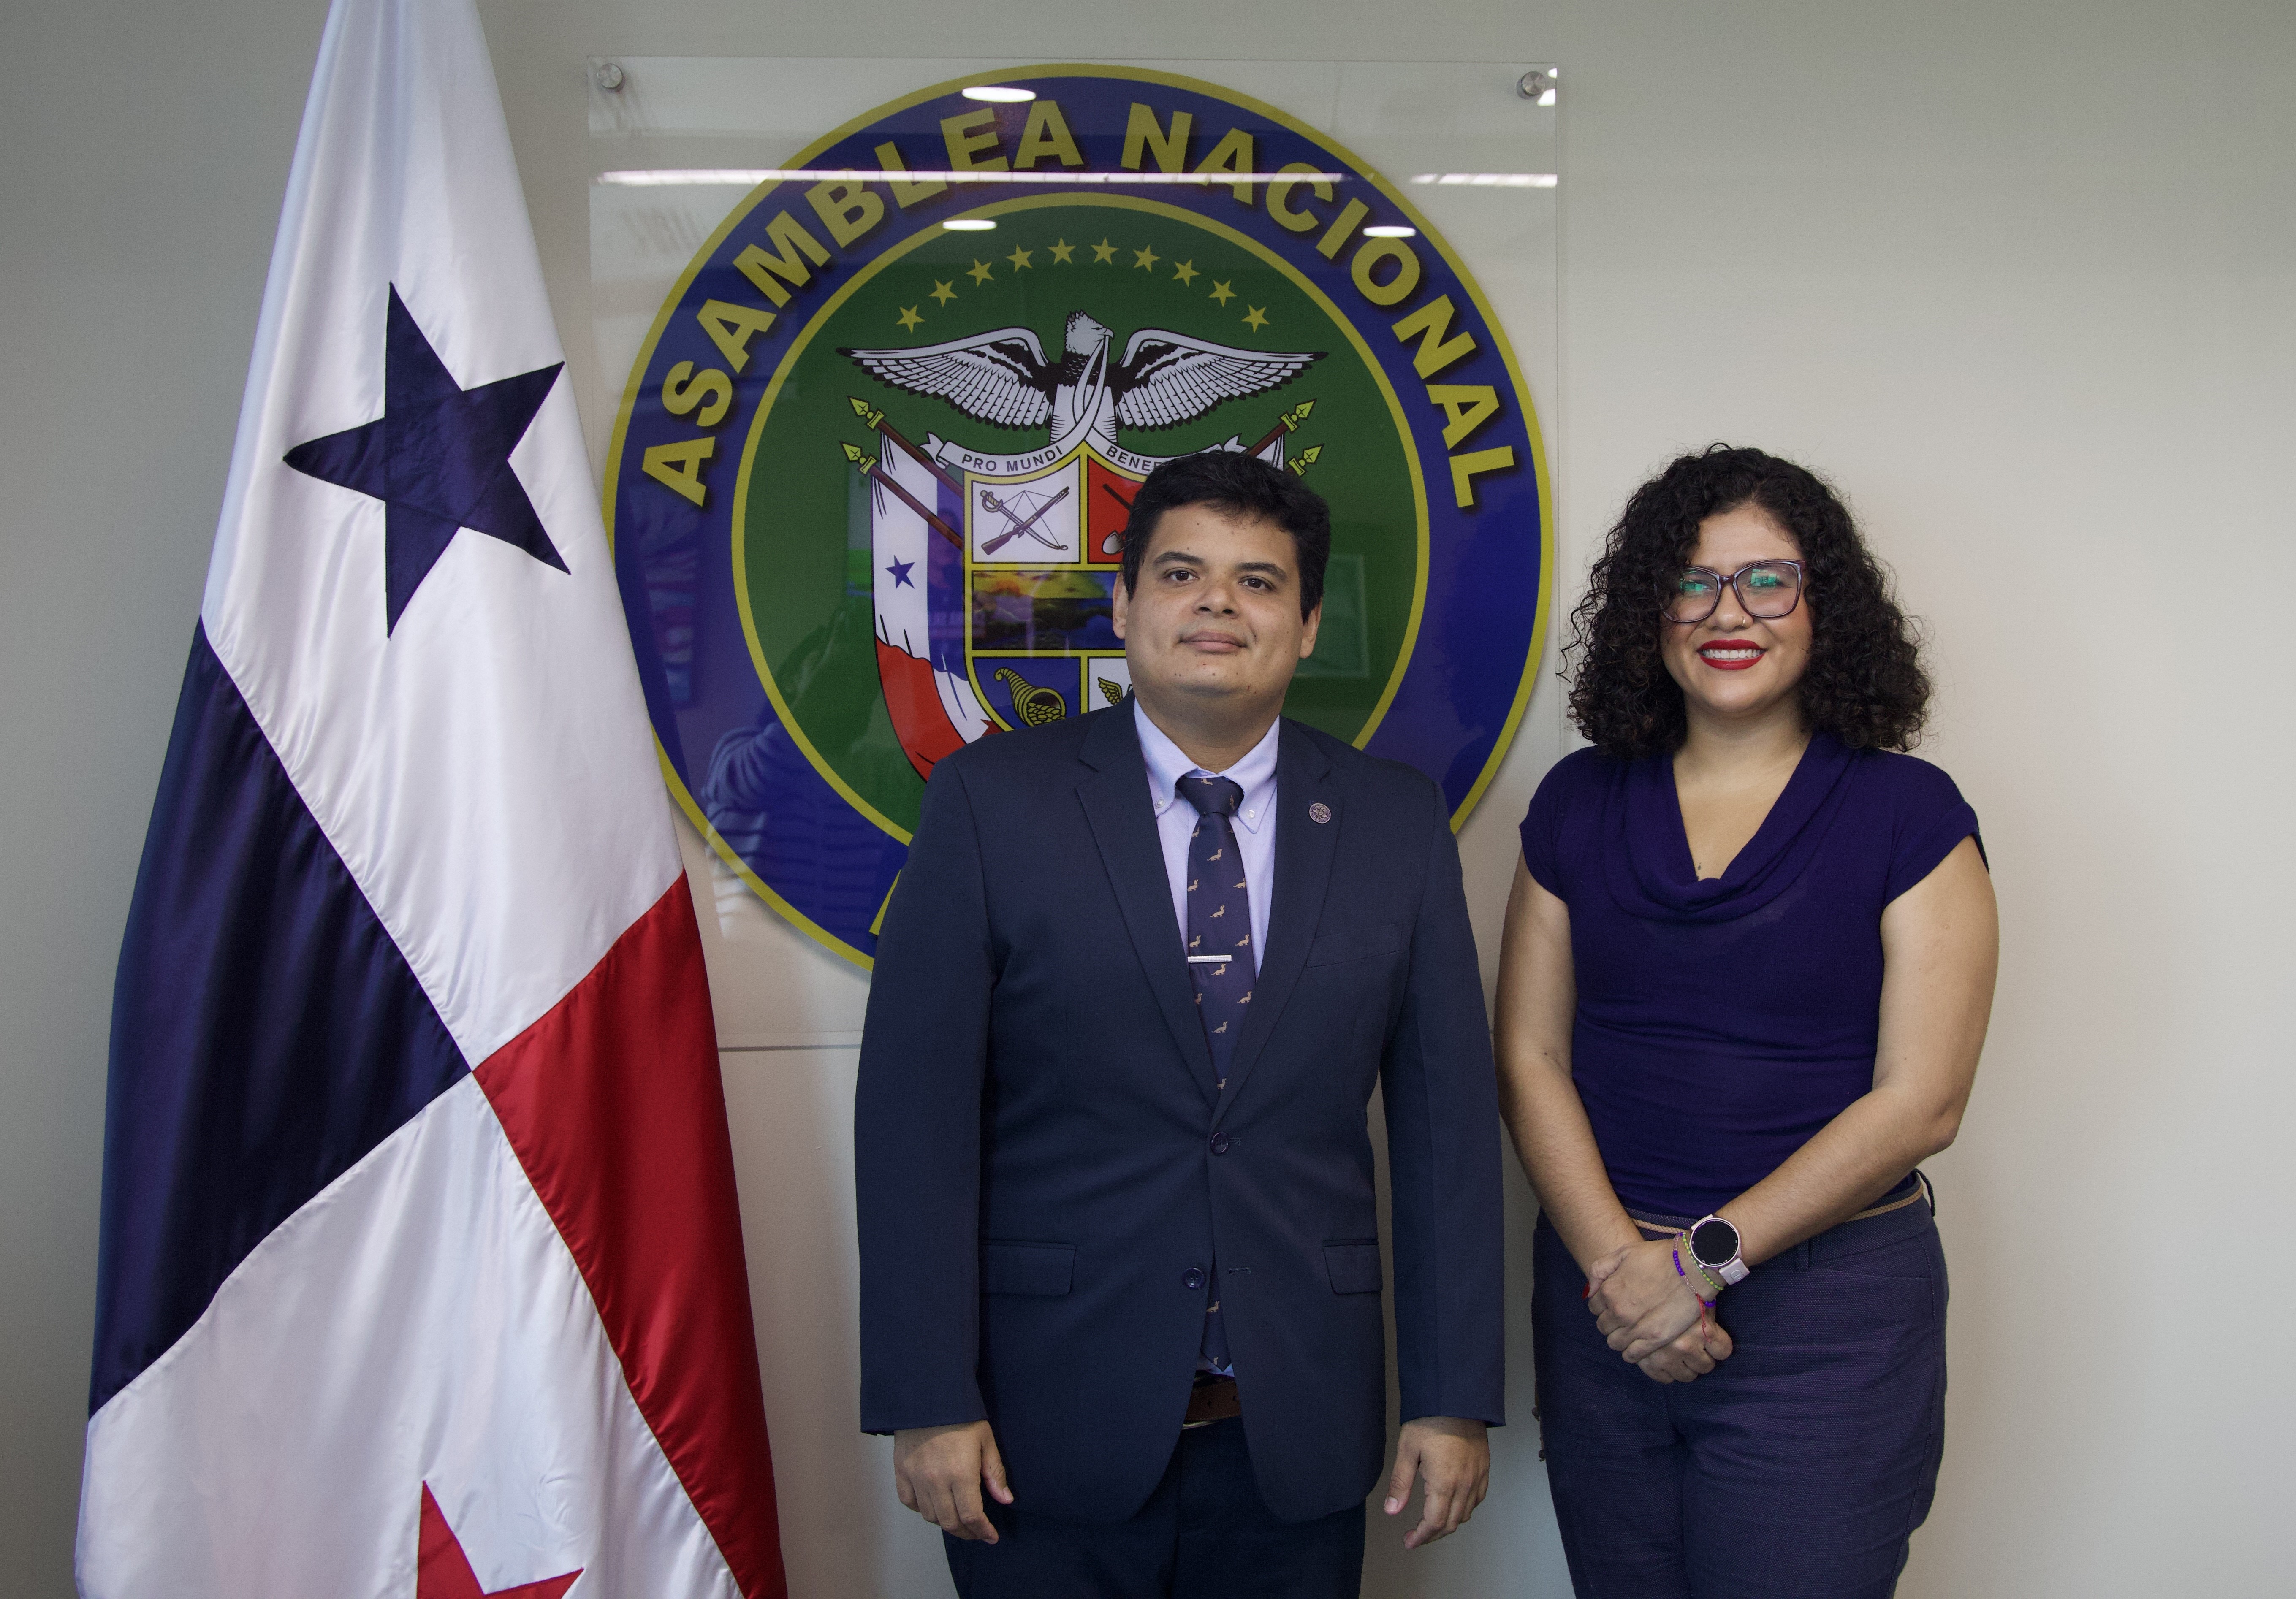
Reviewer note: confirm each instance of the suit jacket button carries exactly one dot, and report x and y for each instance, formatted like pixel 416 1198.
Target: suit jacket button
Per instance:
pixel 1193 1277
pixel 1219 1143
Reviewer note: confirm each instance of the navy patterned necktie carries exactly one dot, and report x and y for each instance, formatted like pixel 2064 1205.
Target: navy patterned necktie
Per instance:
pixel 1220 958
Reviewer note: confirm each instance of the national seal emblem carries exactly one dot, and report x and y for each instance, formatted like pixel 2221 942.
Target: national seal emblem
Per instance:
pixel 871 476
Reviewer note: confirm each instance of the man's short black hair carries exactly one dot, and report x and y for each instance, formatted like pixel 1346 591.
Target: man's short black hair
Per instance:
pixel 1241 486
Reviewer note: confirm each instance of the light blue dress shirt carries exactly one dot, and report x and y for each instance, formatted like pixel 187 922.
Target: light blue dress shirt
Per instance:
pixel 1176 820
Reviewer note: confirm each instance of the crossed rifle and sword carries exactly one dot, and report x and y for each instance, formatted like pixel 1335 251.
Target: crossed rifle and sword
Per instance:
pixel 1018 524
pixel 1109 546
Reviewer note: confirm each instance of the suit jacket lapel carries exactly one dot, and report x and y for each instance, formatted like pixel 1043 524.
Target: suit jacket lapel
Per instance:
pixel 1115 798
pixel 1304 848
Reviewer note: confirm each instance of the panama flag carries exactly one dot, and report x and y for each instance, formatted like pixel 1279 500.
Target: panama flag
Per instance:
pixel 422 1273
pixel 915 510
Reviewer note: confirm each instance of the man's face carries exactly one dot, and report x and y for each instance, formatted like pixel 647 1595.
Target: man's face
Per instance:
pixel 1216 616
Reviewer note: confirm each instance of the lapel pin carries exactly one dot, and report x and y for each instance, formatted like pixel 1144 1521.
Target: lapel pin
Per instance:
pixel 1319 812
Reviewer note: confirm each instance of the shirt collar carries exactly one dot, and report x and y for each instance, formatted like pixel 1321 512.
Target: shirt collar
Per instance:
pixel 1255 774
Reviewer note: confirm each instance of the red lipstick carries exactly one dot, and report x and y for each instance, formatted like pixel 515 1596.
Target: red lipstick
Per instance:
pixel 1731 655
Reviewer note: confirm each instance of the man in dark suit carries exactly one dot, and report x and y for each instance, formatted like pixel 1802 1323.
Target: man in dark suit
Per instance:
pixel 1120 1251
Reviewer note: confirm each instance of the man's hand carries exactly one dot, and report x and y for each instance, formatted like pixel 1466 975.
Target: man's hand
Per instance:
pixel 939 1472
pixel 1640 1304
pixel 1455 1457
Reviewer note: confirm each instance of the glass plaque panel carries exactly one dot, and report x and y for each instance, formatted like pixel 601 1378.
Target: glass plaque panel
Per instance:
pixel 902 338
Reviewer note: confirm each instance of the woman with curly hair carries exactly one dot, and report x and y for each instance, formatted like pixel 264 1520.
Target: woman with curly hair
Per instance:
pixel 1748 965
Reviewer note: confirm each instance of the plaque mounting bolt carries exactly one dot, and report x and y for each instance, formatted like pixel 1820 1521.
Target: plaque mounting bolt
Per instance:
pixel 1535 84
pixel 610 75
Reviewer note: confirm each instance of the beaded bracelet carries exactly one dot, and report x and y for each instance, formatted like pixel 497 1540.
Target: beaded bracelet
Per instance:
pixel 1682 1241
pixel 1705 1304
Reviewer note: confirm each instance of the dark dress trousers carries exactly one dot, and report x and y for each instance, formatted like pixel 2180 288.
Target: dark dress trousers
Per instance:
pixel 1047 1169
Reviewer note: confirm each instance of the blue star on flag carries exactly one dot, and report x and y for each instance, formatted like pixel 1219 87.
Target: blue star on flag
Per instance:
pixel 437 458
pixel 901 569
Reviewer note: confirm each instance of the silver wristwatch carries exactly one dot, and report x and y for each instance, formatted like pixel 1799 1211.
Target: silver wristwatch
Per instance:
pixel 1714 1245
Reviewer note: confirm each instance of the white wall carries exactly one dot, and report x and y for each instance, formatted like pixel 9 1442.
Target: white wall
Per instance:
pixel 2023 277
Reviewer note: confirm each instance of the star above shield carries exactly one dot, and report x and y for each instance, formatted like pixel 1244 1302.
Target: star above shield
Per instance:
pixel 437 458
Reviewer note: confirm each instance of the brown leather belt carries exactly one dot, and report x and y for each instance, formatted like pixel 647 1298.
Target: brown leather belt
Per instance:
pixel 1214 1399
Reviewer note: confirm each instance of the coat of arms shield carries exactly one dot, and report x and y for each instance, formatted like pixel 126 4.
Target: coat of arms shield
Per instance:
pixel 995 573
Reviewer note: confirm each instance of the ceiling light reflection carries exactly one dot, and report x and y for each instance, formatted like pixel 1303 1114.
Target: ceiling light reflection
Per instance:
pixel 749 177
pixel 1489 180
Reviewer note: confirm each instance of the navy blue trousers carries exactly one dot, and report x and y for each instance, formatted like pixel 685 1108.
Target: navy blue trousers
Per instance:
pixel 1797 1469
pixel 1205 1533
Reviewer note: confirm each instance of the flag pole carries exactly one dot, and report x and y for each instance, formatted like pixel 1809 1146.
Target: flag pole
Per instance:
pixel 876 419
pixel 1289 422
pixel 866 466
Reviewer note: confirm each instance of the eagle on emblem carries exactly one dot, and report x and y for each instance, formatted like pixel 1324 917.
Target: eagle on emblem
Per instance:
pixel 1002 378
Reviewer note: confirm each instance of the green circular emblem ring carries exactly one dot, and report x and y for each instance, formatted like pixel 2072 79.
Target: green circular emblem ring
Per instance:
pixel 871 477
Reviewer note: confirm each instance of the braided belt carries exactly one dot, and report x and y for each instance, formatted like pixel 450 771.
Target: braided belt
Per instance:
pixel 1921 1191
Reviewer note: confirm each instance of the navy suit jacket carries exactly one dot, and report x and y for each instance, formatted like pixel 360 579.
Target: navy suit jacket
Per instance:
pixel 1043 1157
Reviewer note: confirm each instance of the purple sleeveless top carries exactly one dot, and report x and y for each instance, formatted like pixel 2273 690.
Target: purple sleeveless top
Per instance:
pixel 1722 1023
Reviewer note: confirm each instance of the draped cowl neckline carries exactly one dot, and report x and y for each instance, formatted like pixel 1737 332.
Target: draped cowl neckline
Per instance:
pixel 1648 863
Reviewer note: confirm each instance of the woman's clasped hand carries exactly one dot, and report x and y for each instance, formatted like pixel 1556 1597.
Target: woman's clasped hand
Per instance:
pixel 1646 1308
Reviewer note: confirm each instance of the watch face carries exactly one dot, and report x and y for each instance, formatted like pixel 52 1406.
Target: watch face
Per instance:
pixel 1714 1242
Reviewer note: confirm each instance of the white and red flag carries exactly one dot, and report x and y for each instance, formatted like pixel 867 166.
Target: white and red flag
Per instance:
pixel 421 1272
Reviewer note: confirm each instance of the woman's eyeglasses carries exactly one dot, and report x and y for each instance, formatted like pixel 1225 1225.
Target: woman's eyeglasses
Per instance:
pixel 1767 589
